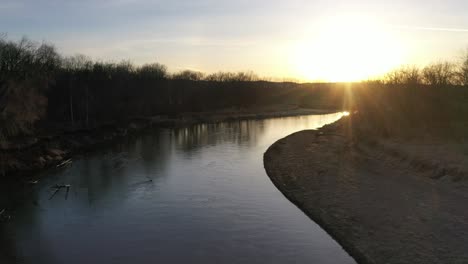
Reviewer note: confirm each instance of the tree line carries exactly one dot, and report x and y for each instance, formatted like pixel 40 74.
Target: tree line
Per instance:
pixel 442 73
pixel 39 87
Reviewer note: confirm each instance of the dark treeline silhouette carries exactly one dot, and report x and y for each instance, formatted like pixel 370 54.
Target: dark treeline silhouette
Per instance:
pixel 415 110
pixel 437 74
pixel 38 87
pixel 417 102
pixel 98 92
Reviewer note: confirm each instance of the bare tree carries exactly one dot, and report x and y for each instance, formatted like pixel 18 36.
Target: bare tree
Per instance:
pixel 440 74
pixel 463 71
pixel 220 77
pixel 248 76
pixel 153 71
pixel 188 75
pixel 72 66
pixel 26 70
pixel 404 75
pixel 77 62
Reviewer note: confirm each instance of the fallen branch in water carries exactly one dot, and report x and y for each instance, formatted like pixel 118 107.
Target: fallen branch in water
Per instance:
pixel 68 190
pixel 142 182
pixel 57 188
pixel 64 163
pixel 56 191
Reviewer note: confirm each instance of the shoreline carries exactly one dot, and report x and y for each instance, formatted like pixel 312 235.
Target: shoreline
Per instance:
pixel 381 205
pixel 33 155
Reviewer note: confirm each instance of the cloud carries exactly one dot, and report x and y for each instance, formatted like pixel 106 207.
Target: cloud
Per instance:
pixel 443 29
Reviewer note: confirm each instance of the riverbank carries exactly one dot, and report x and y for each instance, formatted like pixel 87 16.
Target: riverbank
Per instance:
pixel 383 200
pixel 21 158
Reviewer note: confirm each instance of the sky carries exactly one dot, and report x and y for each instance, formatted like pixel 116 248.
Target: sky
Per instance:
pixel 333 40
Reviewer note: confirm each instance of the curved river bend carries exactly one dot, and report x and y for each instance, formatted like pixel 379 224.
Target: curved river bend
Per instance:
pixel 191 195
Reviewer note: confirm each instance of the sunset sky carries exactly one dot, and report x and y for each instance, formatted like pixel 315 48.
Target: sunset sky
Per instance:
pixel 328 40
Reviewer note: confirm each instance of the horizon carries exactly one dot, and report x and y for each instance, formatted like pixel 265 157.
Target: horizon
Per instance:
pixel 314 41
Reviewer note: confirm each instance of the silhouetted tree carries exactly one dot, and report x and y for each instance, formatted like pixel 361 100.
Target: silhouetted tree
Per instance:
pixel 463 71
pixel 410 75
pixel 232 77
pixel 188 75
pixel 440 74
pixel 76 67
pixel 26 72
pixel 153 71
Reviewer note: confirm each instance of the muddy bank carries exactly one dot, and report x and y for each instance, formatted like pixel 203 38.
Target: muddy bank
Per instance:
pixel 382 200
pixel 24 157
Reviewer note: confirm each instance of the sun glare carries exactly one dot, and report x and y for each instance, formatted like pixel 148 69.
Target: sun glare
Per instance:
pixel 347 49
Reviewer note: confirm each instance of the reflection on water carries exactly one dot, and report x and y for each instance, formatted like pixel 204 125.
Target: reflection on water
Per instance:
pixel 189 195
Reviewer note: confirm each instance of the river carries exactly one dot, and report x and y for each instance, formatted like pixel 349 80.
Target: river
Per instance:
pixel 185 195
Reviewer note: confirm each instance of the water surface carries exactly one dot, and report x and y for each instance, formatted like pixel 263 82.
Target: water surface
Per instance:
pixel 191 195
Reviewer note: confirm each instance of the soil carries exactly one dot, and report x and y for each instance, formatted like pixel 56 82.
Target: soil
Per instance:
pixel 383 200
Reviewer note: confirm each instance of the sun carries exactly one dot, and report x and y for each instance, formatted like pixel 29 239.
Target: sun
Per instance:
pixel 345 49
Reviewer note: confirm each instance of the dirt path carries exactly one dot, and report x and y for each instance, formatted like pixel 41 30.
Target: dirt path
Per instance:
pixel 378 207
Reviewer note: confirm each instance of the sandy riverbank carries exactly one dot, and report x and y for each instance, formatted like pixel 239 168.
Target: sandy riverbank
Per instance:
pixel 384 201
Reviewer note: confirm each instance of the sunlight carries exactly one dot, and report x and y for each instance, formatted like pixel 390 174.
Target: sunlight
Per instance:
pixel 347 48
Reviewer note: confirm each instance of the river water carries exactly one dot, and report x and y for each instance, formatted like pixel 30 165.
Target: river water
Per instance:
pixel 189 195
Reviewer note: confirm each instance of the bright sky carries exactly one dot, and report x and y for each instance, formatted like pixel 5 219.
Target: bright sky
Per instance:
pixel 332 40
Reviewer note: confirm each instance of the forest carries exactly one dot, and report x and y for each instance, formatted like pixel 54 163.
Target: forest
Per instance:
pixel 39 88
